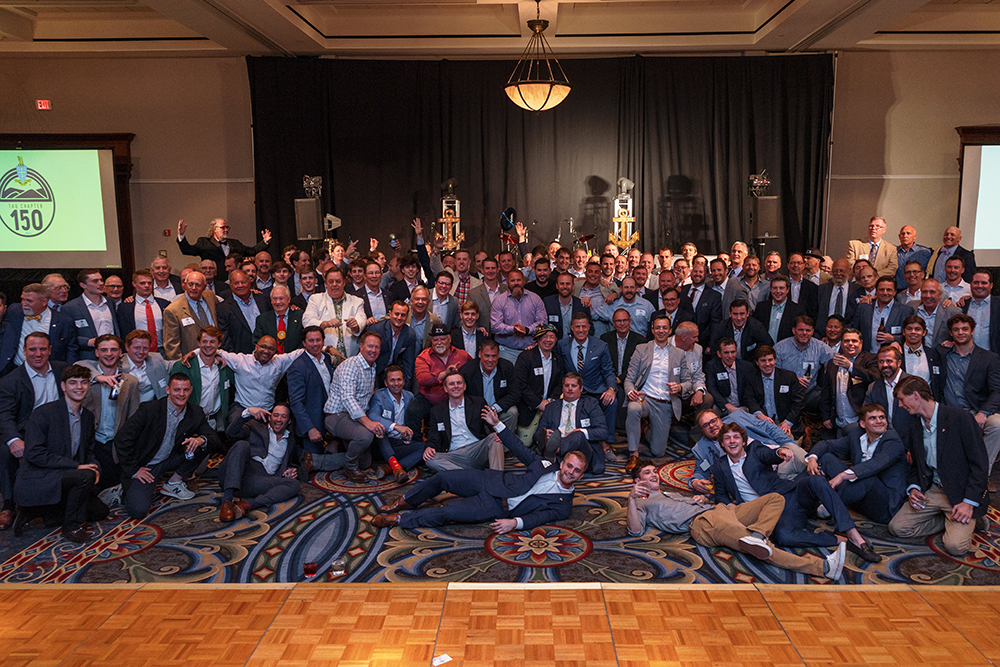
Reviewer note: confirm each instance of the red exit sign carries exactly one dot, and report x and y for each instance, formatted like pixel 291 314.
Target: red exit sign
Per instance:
pixel 43 105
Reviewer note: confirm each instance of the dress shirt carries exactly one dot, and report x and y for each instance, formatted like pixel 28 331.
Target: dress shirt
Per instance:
pixel 890 387
pixel 546 373
pixel 174 417
pixel 845 413
pixel 838 289
pixel 916 363
pixel 440 308
pixel 418 329
pixel 814 278
pixel 469 342
pixel 742 483
pixel 528 311
pixel 777 311
pixel 930 447
pixel 769 407
pixel 795 359
pixel 980 312
pixel 659 374
pixel 249 309
pixel 547 484
pixel 577 351
pixel 351 388
pixel 264 284
pixel 929 318
pixel 44 385
pixel 488 394
pixel 74 428
pixel 139 307
pixel 566 310
pixel 32 326
pixel 200 306
pixel 167 293
pixel 954 384
pixel 211 396
pixel 255 383
pixel 733 397
pixel 738 337
pixel 955 293
pixel 944 254
pixel 277 443
pixel 377 303
pixel 461 436
pixel 878 314
pixel 567 418
pixel 398 415
pixel 639 310
pixel 146 392
pixel 106 426
pixel 321 368
pixel 794 289
pixel 758 293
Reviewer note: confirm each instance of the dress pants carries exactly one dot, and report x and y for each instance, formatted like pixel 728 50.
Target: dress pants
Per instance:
pixel 359 439
pixel 991 435
pixel 610 415
pixel 724 525
pixel 487 452
pixel 251 481
pixel 810 492
pixel 935 517
pixel 868 496
pixel 408 454
pixel 473 506
pixel 78 503
pixel 138 496
pixel 111 472
pixel 417 413
pixel 660 417
pixel 9 465
pixel 559 445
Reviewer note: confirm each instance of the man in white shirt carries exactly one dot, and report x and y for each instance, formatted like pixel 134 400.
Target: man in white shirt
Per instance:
pixel 953 287
pixel 163 287
pixel 458 437
pixel 145 311
pixel 917 357
pixel 91 312
pixel 979 306
pixel 149 368
pixel 340 315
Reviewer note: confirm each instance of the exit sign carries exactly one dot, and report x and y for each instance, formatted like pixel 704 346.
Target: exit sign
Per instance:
pixel 43 104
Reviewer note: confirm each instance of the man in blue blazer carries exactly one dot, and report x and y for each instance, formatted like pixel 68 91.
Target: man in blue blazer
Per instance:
pixel 34 314
pixel 238 314
pixel 705 302
pixel 721 370
pixel 309 379
pixel 388 407
pixel 880 391
pixel 573 423
pixel 985 311
pixel 59 463
pixel 511 500
pixel 399 344
pixel 131 313
pixel 591 359
pixel 492 378
pixel 873 479
pixel 869 317
pixel 91 312
pixel 562 306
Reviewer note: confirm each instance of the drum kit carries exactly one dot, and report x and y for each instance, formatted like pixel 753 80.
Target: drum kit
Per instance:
pixel 508 221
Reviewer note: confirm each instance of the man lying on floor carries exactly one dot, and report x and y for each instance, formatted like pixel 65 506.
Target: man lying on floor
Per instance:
pixel 745 527
pixel 511 500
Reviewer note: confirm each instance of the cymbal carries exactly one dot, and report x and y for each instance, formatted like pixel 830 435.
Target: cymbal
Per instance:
pixel 508 238
pixel 584 239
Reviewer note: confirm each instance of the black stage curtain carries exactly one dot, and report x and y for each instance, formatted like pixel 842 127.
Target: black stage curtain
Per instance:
pixel 688 131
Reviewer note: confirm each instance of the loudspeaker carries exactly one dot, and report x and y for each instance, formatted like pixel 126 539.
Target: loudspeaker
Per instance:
pixel 766 216
pixel 309 219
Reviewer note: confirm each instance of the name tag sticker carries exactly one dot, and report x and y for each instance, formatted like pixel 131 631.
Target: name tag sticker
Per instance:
pixel 783 389
pixel 440 426
pixel 677 370
pixel 225 385
pixel 806 365
pixel 163 383
pixel 705 465
pixel 553 318
pixel 539 371
pixel 585 423
pixel 750 347
pixel 80 324
pixel 722 376
pixel 936 370
pixel 865 256
pixel 503 383
pixel 387 414
pixel 895 330
pixel 496 407
pixel 187 321
pixel 641 312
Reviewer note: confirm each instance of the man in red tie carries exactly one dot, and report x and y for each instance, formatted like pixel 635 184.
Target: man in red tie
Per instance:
pixel 282 324
pixel 144 310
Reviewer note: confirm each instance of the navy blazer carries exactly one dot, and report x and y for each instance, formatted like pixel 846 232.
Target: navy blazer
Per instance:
pixel 257 435
pixel 894 324
pixel 382 404
pixel 140 436
pixel 759 471
pixel 754 335
pixel 553 312
pixel 125 314
pixel 632 341
pixel 982 381
pixel 363 295
pixel 62 336
pixel 439 435
pixel 598 373
pixel 823 311
pixel 529 386
pixel 238 334
pixel 934 360
pixel 267 325
pixel 77 310
pixel 994 322
pixel 888 463
pixel 708 315
pixel 968 257
pixel 307 393
pixel 458 339
pixel 862 374
pixel 788 402
pixel 901 419
pixel 717 381
pixel 405 355
pixel 47 452
pixel 962 463
pixel 503 382
pixel 762 313
pixel 209 248
pixel 17 400
pixel 808 297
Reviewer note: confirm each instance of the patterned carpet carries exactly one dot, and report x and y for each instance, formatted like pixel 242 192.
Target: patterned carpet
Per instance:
pixel 185 542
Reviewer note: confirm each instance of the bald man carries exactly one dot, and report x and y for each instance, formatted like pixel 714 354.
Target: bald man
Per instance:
pixel 950 247
pixel 909 250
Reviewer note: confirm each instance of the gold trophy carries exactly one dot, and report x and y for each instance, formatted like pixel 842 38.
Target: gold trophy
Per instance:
pixel 450 219
pixel 627 235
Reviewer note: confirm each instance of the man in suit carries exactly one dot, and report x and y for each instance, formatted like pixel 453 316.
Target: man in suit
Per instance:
pixel 621 342
pixel 909 250
pixel 340 315
pixel 561 307
pixel 279 322
pixel 934 313
pixel 443 304
pixel 467 335
pixel 657 376
pixel 159 438
pixel 512 500
pixel 376 300
pixel 28 387
pixel 33 315
pixel 704 302
pixel 985 311
pixel 217 245
pixel 778 313
pixel 492 378
pixel 238 314
pixel 400 290
pixel 881 322
pixel 388 407
pixel 59 464
pixel 573 423
pixel 257 465
pixel 727 377
pixel 91 313
pixel 873 479
pixel 420 319
pixel 880 391
pixel 213 385
pixel 309 379
pixel 591 359
pixel 143 311
pixel 947 482
pixel 186 316
pixel 775 394
pixel 484 293
pixel 881 253
pixel 950 248
pixel 665 280
pixel 920 359
pixel 166 285
pixel 538 377
pixel 748 333
pixel 836 297
pixel 458 438
pixel 399 344
pixel 844 382
pixel 801 290
pixel 149 368
pixel 214 282
pixel 672 308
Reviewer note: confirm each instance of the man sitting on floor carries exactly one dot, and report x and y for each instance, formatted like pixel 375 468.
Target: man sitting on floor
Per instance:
pixel 745 527
pixel 573 423
pixel 458 438
pixel 388 407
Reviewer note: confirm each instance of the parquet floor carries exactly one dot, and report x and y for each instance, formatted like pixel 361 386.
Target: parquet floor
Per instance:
pixel 509 625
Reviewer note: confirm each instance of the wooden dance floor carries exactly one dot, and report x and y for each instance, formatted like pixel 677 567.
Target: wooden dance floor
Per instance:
pixel 512 625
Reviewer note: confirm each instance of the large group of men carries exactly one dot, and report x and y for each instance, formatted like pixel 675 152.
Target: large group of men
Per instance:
pixel 802 386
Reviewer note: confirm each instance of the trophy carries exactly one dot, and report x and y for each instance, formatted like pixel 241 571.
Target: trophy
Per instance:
pixel 624 221
pixel 450 219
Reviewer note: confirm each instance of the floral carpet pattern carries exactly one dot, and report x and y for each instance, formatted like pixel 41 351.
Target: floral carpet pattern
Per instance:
pixel 184 541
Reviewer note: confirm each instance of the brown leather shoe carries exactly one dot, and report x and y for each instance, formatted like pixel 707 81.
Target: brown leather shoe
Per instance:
pixel 385 520
pixel 402 477
pixel 242 508
pixel 355 476
pixel 227 512
pixel 633 461
pixel 306 468
pixel 397 505
pixel 7 519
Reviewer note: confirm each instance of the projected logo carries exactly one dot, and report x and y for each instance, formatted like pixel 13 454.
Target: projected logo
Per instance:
pixel 27 201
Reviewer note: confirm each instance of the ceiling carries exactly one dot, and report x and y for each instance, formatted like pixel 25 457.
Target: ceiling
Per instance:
pixel 487 28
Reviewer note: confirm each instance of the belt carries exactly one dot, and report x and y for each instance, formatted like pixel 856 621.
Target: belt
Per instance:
pixel 658 400
pixel 503 502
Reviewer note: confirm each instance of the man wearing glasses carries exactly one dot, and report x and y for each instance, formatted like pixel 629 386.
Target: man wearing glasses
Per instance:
pixel 217 245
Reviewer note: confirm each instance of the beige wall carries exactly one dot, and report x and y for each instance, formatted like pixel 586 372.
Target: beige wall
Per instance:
pixel 895 147
pixel 192 151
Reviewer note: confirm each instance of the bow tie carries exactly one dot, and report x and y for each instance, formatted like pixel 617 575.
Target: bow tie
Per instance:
pixel 36 318
pixel 917 352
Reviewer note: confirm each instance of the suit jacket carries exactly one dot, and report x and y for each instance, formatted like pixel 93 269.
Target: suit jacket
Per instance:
pixel 439 434
pixel 680 315
pixel 267 325
pixel 238 334
pixel 17 400
pixel 125 405
pixel 762 313
pixel 400 291
pixel 529 383
pixel 893 324
pixel 967 256
pixel 62 336
pixel 404 356
pixel 962 463
pixel 209 248
pixel 642 362
pixel 450 318
pixel 48 451
pixel 823 313
pixel 759 471
pixel 934 360
pixel 588 414
pixel 886 261
pixel 382 408
pixel 808 297
pixel 862 374
pixel 888 463
pixel 788 402
pixel 77 310
pixel 432 319
pixel 504 389
pixel 553 312
pixel 227 387
pixel 125 314
pixel 140 437
pixel 940 333
pixel 458 339
pixel 982 382
pixel 481 296
pixel 307 393
pixel 181 325
pixel 598 372
pixel 994 322
pixel 901 419
pixel 631 342
pixel 363 295
pixel 707 315
pixel 754 335
pixel 257 435
pixel 718 385
pixel 157 370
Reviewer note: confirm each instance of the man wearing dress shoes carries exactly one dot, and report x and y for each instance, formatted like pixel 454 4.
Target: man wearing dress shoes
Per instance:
pixel 573 423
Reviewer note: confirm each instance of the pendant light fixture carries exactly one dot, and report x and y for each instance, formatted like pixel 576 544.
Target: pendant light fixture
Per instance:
pixel 535 84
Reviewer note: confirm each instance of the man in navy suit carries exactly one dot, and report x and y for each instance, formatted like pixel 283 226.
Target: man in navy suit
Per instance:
pixel 873 479
pixel 950 248
pixel 778 313
pixel 727 377
pixel 492 378
pixel 280 318
pixel 704 302
pixel 133 313
pixel 399 344
pixel 458 438
pixel 30 386
pixel 883 314
pixel 561 307
pixel 775 394
pixel 91 312
pixel 388 407
pixel 511 500
pixel 985 311
pixel 592 360
pixel 468 335
pixel 880 390
pixel 919 358
pixel 748 333
pixel 537 375
pixel 836 297
pixel 573 423
pixel 621 343
pixel 802 290
pixel 34 315
pixel 309 379
pixel 845 380
pixel 238 314
pixel 59 465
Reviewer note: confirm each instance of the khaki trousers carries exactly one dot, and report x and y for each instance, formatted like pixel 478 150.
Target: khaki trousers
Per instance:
pixel 933 518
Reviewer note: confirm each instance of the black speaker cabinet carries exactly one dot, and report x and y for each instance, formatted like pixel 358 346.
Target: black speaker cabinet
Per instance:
pixel 309 219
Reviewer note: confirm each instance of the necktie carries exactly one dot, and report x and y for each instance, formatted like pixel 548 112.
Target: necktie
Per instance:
pixel 838 307
pixel 695 293
pixel 917 352
pixel 201 314
pixel 151 324
pixel 338 312
pixel 569 419
pixel 872 252
pixel 281 334
pixel 579 358
pixel 36 318
pixel 621 353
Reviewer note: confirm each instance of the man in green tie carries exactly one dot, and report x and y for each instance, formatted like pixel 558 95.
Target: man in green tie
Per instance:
pixel 574 422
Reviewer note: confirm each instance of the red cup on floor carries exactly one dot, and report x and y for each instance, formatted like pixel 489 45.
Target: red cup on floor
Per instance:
pixel 309 569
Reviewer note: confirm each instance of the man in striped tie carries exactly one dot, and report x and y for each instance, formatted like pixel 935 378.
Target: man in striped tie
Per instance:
pixel 573 423
pixel 591 358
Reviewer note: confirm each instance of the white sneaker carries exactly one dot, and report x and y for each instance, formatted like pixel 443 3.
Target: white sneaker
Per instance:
pixel 111 495
pixel 177 490
pixel 822 512
pixel 756 547
pixel 834 563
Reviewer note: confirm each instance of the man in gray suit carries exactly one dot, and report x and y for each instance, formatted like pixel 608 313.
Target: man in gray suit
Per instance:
pixel 934 313
pixel 483 293
pixel 149 368
pixel 656 378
